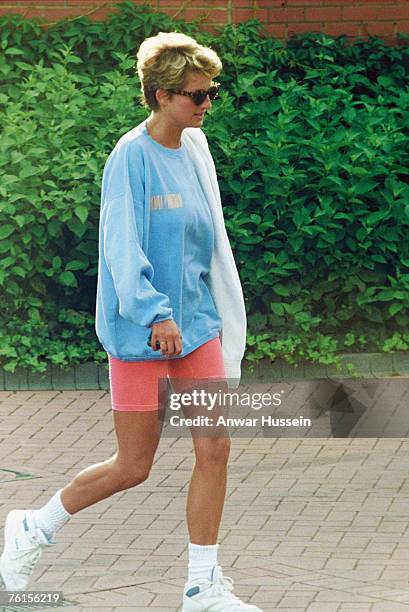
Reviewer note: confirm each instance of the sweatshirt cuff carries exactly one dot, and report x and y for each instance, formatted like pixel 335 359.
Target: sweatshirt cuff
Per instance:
pixel 162 317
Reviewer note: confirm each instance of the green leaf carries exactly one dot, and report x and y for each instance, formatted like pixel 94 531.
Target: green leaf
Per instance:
pixel 282 290
pixel 82 213
pixel 75 264
pixel 379 258
pixel 364 186
pixel 28 170
pixel 20 271
pixel 277 308
pixel 20 220
pixel 6 230
pixel 68 279
pixel 376 216
pixel 4 244
pixel 24 66
pixel 73 59
pixel 54 227
pixel 77 227
pixel 14 51
pixel 394 308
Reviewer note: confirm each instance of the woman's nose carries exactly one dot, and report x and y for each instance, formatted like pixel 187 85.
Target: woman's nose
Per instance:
pixel 206 103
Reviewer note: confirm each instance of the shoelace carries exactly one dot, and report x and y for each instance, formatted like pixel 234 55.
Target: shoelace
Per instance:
pixel 225 583
pixel 30 563
pixel 222 585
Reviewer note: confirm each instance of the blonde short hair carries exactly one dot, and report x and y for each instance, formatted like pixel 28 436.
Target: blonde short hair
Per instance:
pixel 165 60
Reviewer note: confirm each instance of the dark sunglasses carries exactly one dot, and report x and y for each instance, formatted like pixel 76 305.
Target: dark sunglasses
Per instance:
pixel 199 96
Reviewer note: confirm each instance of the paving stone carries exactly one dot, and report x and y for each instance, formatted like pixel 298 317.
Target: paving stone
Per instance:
pixel 341 596
pixel 355 607
pixel 323 607
pixel 387 606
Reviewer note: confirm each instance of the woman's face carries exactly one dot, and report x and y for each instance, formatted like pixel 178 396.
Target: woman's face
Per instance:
pixel 181 110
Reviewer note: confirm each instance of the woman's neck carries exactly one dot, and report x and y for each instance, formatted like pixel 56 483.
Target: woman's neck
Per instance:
pixel 165 134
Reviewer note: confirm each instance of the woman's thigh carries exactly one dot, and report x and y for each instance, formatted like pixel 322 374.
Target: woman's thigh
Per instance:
pixel 137 386
pixel 138 435
pixel 137 400
pixel 204 363
pixel 203 372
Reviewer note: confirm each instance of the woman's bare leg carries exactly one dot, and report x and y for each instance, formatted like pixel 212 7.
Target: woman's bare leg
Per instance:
pixel 138 435
pixel 207 489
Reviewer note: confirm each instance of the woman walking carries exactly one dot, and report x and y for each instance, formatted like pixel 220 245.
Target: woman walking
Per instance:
pixel 168 288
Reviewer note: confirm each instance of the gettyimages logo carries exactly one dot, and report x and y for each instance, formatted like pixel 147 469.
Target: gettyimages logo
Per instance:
pixel 210 400
pixel 306 408
pixel 212 409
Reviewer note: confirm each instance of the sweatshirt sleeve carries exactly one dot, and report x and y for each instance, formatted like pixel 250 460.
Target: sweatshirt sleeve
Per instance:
pixel 131 271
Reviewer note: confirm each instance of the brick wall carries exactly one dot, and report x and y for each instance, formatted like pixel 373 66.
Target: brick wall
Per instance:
pixel 282 18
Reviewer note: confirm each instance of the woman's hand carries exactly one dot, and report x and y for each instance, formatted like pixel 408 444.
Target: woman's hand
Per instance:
pixel 167 334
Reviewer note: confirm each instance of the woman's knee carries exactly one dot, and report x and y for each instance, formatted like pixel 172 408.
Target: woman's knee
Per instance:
pixel 212 451
pixel 131 474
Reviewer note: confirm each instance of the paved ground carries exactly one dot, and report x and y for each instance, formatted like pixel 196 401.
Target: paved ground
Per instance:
pixel 310 524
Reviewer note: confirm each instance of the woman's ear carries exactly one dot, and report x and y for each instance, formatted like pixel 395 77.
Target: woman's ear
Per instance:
pixel 162 97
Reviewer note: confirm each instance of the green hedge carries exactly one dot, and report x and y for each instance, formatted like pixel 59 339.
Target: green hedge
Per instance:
pixel 310 141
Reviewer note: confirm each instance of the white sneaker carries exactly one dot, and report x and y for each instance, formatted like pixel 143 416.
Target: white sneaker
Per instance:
pixel 213 595
pixel 23 543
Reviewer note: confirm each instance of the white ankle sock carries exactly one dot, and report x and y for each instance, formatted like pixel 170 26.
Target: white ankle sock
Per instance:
pixel 202 560
pixel 52 516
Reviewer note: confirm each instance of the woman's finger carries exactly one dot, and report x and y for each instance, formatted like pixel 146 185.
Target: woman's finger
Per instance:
pixel 155 343
pixel 169 346
pixel 178 344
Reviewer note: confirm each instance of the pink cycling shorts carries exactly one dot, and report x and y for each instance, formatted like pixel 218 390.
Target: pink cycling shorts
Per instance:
pixel 135 384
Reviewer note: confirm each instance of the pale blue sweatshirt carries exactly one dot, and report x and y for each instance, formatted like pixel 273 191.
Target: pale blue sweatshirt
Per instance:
pixel 156 240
